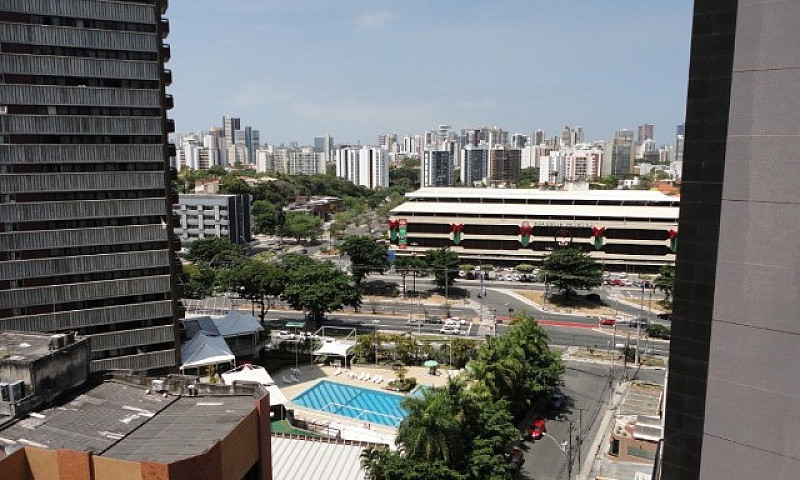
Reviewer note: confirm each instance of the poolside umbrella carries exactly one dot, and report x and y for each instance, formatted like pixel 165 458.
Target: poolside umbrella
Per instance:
pixel 432 364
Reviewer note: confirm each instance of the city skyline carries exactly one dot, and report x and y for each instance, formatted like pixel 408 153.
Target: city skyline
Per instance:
pixel 335 68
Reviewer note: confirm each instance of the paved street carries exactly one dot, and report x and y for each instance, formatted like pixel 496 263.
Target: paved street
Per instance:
pixel 587 390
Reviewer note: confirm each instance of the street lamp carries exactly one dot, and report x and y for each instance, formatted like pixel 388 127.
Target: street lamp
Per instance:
pixel 565 448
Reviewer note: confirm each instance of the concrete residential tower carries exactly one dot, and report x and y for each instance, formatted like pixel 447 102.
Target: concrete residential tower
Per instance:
pixel 733 395
pixel 86 238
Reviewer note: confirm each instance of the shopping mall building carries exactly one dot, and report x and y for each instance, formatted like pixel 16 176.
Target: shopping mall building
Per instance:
pixel 625 230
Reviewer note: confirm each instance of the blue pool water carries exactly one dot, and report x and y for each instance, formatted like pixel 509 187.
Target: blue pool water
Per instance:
pixel 354 402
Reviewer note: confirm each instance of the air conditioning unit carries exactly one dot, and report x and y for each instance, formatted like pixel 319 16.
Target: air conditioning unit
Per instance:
pixel 5 392
pixel 16 390
pixel 158 386
pixel 58 341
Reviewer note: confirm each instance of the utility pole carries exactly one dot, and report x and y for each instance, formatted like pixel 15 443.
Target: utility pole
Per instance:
pixel 639 324
pixel 580 436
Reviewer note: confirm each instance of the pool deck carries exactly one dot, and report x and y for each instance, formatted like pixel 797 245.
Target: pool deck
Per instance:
pixel 310 375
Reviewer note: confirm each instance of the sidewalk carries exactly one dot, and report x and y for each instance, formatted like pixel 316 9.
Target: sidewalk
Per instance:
pixel 607 424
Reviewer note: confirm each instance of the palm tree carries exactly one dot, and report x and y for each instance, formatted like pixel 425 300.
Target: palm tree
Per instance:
pixel 432 429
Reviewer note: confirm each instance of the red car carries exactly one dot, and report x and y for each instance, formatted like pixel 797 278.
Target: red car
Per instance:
pixel 608 321
pixel 537 429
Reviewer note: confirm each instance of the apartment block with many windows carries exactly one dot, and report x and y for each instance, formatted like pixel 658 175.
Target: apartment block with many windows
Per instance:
pixel 86 223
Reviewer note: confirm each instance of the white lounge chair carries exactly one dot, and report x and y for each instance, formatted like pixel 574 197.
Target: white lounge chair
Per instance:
pixel 352 375
pixel 285 380
pixel 294 379
pixel 362 375
pixel 367 377
pixel 338 371
pixel 377 379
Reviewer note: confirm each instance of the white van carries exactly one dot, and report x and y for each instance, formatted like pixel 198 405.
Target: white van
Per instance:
pixel 449 330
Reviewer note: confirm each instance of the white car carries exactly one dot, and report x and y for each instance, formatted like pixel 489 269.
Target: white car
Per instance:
pixel 449 330
pixel 455 321
pixel 284 335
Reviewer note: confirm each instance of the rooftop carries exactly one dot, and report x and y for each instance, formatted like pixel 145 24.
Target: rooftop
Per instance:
pixel 24 346
pixel 303 458
pixel 127 422
pixel 537 194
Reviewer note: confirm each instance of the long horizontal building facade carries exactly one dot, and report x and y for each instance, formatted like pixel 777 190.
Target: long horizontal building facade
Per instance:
pixel 86 190
pixel 634 231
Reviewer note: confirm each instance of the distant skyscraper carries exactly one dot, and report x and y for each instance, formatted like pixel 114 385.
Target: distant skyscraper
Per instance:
pixel 229 126
pixel 519 141
pixel 474 165
pixel 437 169
pixel 539 137
pixel 618 154
pixel 86 226
pixel 644 132
pixel 505 165
pixel 365 166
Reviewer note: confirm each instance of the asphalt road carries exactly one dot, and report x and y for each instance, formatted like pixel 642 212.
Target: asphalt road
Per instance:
pixel 586 387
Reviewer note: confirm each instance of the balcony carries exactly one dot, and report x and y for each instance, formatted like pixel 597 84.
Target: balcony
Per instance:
pixel 170 125
pixel 172 150
pixel 169 102
pixel 163 28
pixel 164 5
pixel 167 77
pixel 166 52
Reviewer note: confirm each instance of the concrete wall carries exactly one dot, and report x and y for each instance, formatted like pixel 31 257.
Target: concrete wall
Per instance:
pixel 755 333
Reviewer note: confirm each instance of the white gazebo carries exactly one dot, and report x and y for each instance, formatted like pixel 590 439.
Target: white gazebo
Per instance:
pixel 205 349
pixel 335 348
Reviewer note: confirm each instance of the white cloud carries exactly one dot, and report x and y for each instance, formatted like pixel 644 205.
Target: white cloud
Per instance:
pixel 372 20
pixel 255 93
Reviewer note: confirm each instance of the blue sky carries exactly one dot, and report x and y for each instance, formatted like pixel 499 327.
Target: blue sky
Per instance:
pixel 296 69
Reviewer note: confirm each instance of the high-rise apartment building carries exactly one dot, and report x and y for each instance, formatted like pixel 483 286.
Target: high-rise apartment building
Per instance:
pixel 86 222
pixel 474 165
pixel 505 165
pixel 229 126
pixel 733 395
pixel 644 133
pixel 619 154
pixel 437 169
pixel 365 166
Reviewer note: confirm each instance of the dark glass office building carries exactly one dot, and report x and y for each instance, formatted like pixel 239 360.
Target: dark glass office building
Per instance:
pixel 733 394
pixel 86 238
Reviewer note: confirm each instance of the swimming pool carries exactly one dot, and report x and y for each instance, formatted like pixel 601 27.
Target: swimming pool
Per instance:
pixel 354 402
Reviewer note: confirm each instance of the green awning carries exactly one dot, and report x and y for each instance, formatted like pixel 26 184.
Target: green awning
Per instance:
pixel 296 324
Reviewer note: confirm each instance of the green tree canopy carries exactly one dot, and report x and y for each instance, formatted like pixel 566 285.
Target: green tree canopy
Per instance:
pixel 319 287
pixel 265 217
pixel 528 176
pixel 570 269
pixel 215 252
pixel 443 263
pixel 258 281
pixel 367 255
pixel 198 280
pixel 302 225
pixel 666 283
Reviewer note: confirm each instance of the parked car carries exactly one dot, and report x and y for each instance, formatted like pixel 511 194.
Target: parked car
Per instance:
pixel 432 319
pixel 536 430
pixel 638 322
pixel 608 321
pixel 556 402
pixel 284 335
pixel 455 321
pixel 449 330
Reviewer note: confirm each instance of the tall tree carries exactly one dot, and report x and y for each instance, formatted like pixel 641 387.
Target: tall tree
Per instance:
pixel 367 255
pixel 258 281
pixel 265 217
pixel 443 262
pixel 215 252
pixel 319 287
pixel 301 225
pixel 666 283
pixel 198 280
pixel 571 269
